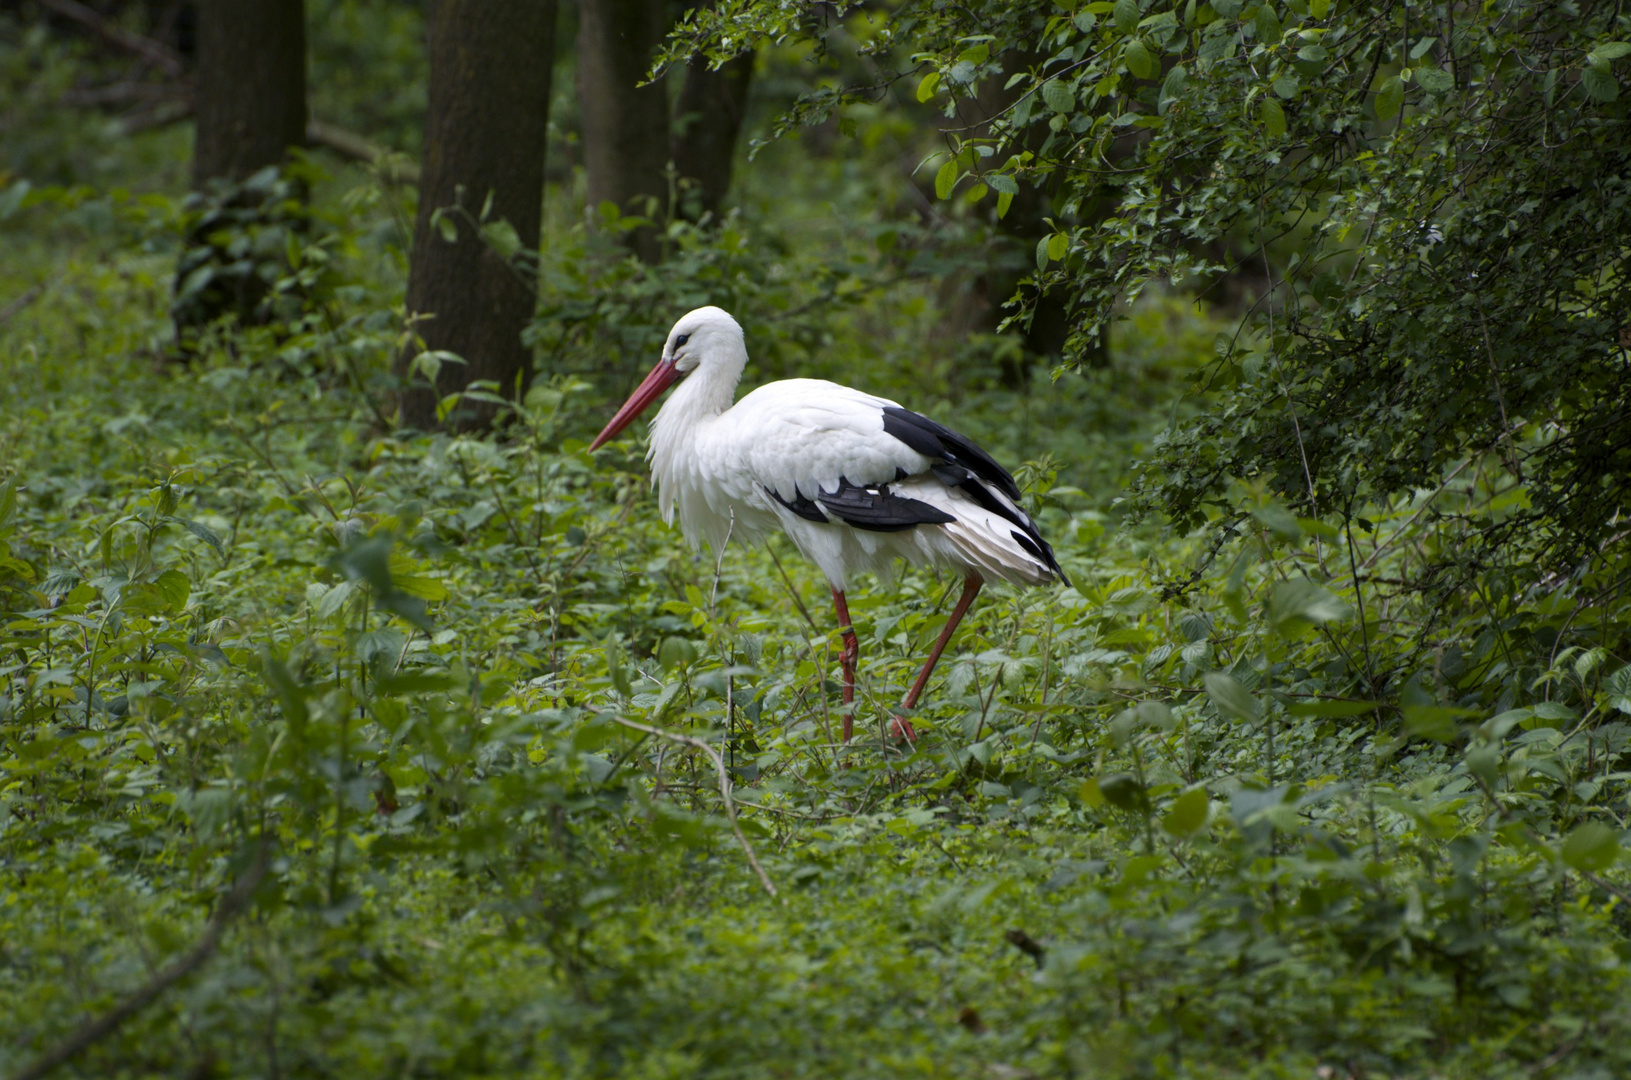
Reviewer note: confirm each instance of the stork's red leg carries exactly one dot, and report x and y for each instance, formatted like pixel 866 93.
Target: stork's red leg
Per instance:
pixel 847 659
pixel 971 589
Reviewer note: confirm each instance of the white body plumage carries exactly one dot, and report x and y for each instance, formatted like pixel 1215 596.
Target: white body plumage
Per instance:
pixel 738 471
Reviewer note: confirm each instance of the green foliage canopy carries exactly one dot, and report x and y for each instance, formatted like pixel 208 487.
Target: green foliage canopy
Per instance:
pixel 1431 199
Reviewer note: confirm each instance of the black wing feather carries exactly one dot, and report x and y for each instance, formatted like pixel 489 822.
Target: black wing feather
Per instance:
pixel 940 443
pixel 959 463
pixel 875 508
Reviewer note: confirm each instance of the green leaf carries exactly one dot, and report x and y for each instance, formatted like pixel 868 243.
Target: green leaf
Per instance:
pixel 1004 200
pixel 946 179
pixel 1268 25
pixel 927 85
pixel 1126 15
pixel 1434 81
pixel 1058 246
pixel 1435 722
pixel 1002 183
pixel 1296 603
pixel 1058 95
pixel 676 652
pixel 445 226
pixel 203 532
pixel 1591 847
pixel 1187 814
pixel 165 595
pixel 1608 50
pixel 1231 698
pixel 290 694
pixel 614 667
pixel 1138 59
pixel 1618 689
pixel 1124 792
pixel 1319 8
pixel 1389 98
pixel 1600 83
pixel 1172 87
pixel 1273 116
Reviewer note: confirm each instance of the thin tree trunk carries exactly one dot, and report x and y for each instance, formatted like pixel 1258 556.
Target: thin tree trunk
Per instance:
pixel 251 89
pixel 485 131
pixel 709 119
pixel 625 125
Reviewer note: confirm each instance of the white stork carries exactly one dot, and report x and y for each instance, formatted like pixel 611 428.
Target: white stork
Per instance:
pixel 855 481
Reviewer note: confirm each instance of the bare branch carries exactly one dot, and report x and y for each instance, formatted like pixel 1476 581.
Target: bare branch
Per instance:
pixel 232 905
pixel 156 53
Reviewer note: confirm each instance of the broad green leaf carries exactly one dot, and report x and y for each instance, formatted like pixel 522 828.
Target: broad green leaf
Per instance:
pixel 1591 847
pixel 1435 722
pixel 165 595
pixel 1124 792
pixel 1125 14
pixel 1172 87
pixel 1231 698
pixel 1058 95
pixel 614 667
pixel 946 179
pixel 1268 25
pixel 1187 814
pixel 1274 117
pixel 1058 246
pixel 1435 80
pixel 1389 97
pixel 1295 603
pixel 290 694
pixel 1609 50
pixel 1138 59
pixel 1600 83
pixel 927 85
pixel 676 652
pixel 1002 183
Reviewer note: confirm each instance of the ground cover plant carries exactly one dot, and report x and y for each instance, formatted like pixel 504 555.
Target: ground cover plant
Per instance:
pixel 331 748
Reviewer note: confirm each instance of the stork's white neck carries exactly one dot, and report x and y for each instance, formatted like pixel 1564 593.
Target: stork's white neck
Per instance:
pixel 685 418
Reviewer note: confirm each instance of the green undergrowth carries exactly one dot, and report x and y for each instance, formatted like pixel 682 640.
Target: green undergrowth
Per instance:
pixel 1293 800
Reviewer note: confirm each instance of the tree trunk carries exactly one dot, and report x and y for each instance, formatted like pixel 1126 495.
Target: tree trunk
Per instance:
pixel 485 132
pixel 625 125
pixel 251 88
pixel 710 112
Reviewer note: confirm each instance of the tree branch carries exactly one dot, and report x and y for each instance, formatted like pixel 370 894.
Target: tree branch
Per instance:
pixel 232 905
pixel 156 53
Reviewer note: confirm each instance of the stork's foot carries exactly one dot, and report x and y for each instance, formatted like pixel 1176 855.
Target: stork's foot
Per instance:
pixel 901 728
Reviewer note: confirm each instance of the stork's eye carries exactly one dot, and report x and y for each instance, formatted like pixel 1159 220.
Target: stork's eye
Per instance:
pixel 681 340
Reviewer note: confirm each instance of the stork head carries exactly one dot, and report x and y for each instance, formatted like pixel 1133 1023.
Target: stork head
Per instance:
pixel 704 338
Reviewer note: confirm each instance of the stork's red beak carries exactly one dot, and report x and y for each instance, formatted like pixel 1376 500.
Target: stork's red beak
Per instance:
pixel 664 375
